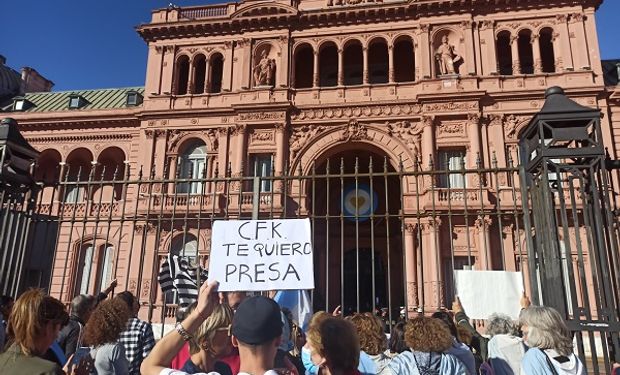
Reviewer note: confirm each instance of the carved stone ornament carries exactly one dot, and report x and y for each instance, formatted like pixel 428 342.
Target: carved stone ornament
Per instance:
pixel 409 134
pixel 177 134
pixel 300 136
pixel 239 128
pixel 361 111
pixel 354 131
pixel 260 116
pixel 447 58
pixel 262 136
pixel 450 106
pixel 512 123
pixel 451 128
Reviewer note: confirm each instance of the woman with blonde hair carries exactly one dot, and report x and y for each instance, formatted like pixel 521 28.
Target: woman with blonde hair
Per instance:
pixel 210 343
pixel 33 326
pixel 550 342
pixel 428 339
pixel 373 340
pixel 102 331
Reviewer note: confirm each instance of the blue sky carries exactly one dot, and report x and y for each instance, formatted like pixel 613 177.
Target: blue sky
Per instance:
pixel 84 44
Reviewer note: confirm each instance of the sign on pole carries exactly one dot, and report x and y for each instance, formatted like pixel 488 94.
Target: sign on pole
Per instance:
pixel 483 293
pixel 257 255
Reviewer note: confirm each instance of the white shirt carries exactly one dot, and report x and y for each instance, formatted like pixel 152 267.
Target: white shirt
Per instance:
pixel 169 371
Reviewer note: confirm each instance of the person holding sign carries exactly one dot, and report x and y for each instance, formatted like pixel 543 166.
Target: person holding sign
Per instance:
pixel 256 330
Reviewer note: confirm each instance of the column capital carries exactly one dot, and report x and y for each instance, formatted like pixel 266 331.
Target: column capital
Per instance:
pixel 280 127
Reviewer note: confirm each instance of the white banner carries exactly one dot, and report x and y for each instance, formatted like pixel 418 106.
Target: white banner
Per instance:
pixel 483 293
pixel 258 255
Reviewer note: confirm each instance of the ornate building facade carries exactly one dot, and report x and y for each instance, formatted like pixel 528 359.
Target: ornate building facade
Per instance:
pixel 313 88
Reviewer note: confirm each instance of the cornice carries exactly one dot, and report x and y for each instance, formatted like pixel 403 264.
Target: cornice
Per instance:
pixel 81 138
pixel 338 15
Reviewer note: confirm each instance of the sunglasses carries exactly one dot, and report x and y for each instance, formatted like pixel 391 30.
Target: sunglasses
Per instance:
pixel 228 329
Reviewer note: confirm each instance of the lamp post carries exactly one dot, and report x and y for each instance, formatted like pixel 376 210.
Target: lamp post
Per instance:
pixel 17 201
pixel 568 219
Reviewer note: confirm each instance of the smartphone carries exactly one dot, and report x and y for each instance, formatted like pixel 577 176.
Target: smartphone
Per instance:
pixel 80 353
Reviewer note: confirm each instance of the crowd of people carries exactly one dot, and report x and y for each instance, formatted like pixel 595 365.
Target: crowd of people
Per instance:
pixel 232 333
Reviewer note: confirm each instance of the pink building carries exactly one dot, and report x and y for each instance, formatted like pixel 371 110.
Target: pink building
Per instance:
pixel 315 98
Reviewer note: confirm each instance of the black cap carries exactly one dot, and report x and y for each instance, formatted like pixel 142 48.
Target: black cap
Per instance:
pixel 257 321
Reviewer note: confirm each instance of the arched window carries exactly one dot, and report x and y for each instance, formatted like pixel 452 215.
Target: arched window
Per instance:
pixel 47 170
pixel 328 65
pixel 304 66
pixel 192 164
pixel 378 65
pixel 110 169
pixel 504 53
pixel 79 164
pixel 404 60
pixel 217 70
pixel 547 54
pixel 200 74
pixel 94 268
pixel 182 75
pixel 526 56
pixel 353 63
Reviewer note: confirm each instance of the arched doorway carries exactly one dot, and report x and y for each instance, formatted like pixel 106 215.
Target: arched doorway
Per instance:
pixel 355 210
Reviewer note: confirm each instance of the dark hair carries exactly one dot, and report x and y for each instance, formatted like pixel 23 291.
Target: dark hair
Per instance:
pixel 128 298
pixel 82 304
pixel 6 300
pixel 397 344
pixel 446 318
pixel 107 322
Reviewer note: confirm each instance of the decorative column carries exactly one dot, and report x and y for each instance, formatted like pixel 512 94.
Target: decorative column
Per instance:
pixel 154 70
pixel 365 71
pixel 425 51
pixel 594 52
pixel 466 26
pixel 428 148
pixel 281 144
pixel 417 60
pixel 481 227
pixel 473 134
pixel 282 79
pixel 315 71
pixel 411 266
pixel 222 151
pixel 192 75
pixel 245 56
pixel 564 52
pixel 340 67
pixel 208 76
pixel 227 66
pixel 239 132
pixel 391 63
pixel 514 48
pixel 509 246
pixel 433 280
pixel 535 40
pixel 580 50
pixel 496 134
pixel 167 70
pixel 173 162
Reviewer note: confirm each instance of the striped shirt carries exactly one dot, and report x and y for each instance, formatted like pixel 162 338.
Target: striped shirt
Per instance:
pixel 176 273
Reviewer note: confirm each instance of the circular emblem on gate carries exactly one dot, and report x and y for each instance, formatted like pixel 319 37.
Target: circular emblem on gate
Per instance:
pixel 358 205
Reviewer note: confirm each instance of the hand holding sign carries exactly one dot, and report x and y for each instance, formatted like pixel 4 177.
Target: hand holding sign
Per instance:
pixel 257 255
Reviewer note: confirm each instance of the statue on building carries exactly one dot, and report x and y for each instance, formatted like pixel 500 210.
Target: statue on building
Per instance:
pixel 447 58
pixel 264 71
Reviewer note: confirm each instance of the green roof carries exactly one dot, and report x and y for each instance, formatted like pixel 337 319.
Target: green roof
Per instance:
pixel 96 99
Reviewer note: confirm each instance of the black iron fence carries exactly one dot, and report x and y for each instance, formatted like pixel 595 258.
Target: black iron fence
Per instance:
pixel 386 238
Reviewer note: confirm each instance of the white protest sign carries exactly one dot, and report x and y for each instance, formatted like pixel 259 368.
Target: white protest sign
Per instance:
pixel 483 293
pixel 257 255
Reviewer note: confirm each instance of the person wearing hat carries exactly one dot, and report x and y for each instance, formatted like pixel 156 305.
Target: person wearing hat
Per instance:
pixel 256 331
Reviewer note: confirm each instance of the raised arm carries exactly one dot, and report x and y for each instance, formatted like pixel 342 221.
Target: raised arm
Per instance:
pixel 165 350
